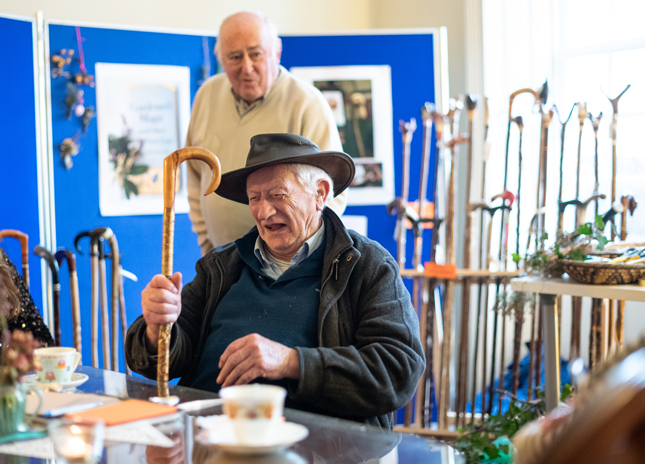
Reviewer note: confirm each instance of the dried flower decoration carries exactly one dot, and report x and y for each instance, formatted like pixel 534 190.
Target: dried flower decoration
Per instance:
pixel 68 148
pixel 123 155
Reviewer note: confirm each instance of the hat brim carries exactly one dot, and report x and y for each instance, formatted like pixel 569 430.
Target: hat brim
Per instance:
pixel 339 166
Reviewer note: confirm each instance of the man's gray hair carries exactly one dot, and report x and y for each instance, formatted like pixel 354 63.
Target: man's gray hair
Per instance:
pixel 270 25
pixel 308 176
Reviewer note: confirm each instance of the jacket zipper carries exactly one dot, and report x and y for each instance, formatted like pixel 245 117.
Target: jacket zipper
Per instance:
pixel 334 264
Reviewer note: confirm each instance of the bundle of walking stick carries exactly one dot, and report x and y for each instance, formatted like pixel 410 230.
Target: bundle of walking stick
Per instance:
pixel 110 314
pixel 467 384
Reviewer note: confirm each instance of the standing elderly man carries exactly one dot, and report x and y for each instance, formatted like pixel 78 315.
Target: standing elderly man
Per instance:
pixel 255 95
pixel 299 301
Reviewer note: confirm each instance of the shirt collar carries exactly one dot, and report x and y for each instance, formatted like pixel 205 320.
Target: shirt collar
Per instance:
pixel 242 107
pixel 268 262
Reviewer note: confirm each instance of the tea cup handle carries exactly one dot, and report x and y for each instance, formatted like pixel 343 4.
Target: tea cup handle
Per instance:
pixel 37 391
pixel 77 360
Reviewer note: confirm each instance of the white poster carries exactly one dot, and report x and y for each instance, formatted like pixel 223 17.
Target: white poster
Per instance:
pixel 142 115
pixel 361 99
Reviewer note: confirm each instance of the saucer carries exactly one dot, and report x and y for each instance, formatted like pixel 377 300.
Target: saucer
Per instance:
pixel 221 435
pixel 77 379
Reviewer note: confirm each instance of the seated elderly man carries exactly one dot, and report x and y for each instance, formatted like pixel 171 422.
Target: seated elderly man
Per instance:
pixel 299 301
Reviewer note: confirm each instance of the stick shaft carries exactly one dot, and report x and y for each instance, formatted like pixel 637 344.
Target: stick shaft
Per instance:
pixel 105 320
pixel 163 349
pixel 76 310
pixel 95 307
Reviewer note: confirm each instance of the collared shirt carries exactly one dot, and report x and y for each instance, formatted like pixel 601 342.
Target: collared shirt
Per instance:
pixel 273 268
pixel 241 105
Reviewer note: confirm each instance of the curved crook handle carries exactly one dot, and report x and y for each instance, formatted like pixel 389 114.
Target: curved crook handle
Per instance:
pixel 595 196
pixel 519 92
pixel 172 162
pixel 79 236
pixel 506 196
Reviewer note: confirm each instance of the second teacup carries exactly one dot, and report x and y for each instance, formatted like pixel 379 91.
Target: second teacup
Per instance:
pixel 254 410
pixel 57 364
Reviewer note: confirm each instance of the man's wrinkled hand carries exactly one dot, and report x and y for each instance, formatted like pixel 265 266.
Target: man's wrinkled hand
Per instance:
pixel 160 304
pixel 254 356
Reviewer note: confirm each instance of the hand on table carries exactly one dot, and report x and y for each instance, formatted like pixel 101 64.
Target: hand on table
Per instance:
pixel 161 304
pixel 173 455
pixel 254 356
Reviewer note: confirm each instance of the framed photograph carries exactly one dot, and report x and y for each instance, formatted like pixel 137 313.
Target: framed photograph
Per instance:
pixel 361 99
pixel 142 116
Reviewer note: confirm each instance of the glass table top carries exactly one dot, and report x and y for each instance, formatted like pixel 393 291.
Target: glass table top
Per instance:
pixel 330 440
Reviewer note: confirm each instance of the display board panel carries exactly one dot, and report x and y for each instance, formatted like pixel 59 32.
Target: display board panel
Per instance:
pixel 19 145
pixel 414 79
pixel 77 189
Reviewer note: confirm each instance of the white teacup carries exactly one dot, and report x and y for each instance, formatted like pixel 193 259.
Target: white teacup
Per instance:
pixel 57 364
pixel 254 410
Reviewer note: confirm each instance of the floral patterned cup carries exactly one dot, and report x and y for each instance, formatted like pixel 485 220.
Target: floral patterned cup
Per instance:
pixel 254 410
pixel 57 364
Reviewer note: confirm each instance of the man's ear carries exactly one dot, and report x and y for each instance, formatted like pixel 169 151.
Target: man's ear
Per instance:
pixel 278 48
pixel 323 191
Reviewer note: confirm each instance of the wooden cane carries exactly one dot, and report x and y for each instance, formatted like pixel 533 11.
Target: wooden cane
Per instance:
pixel 170 165
pixel 106 234
pixel 447 309
pixel 619 307
pixel 94 263
pixel 61 255
pixel 462 372
pixel 562 134
pixel 53 267
pixel 596 333
pixel 480 282
pixel 629 205
pixel 417 282
pixel 103 302
pixel 24 250
pixel 407 130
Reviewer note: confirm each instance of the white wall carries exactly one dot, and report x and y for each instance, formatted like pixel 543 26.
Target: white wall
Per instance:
pixel 291 16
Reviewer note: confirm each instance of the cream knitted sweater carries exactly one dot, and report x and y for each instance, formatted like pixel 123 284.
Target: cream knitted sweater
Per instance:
pixel 291 106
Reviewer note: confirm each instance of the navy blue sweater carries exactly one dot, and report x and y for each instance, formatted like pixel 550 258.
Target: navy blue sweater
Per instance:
pixel 288 313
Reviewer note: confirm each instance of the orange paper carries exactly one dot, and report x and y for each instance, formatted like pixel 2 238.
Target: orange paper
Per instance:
pixel 126 411
pixel 440 271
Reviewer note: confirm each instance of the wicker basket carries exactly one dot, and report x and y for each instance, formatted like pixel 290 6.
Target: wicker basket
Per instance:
pixel 603 273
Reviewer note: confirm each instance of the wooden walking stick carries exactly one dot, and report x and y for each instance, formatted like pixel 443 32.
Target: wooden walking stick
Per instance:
pixel 96 237
pixel 520 125
pixel 106 234
pixel 417 282
pixel 614 123
pixel 170 165
pixel 562 134
pixel 629 204
pixel 61 255
pixel 454 111
pixel 94 263
pixel 398 205
pixel 462 372
pixel 53 267
pixel 576 301
pixel 596 303
pixel 480 282
pixel 24 250
pixel 447 309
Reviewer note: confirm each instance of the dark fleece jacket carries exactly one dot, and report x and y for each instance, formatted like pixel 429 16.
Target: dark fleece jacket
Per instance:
pixel 369 357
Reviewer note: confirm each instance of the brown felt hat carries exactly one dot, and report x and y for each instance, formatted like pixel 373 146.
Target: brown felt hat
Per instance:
pixel 271 149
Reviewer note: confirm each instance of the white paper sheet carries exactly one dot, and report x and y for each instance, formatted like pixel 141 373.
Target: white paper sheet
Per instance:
pixel 41 448
pixel 142 432
pixel 55 400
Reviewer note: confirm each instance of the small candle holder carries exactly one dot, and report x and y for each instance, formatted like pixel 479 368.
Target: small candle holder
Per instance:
pixel 76 440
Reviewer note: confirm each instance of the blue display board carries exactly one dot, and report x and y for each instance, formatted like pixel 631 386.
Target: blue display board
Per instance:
pixel 18 145
pixel 410 56
pixel 76 190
